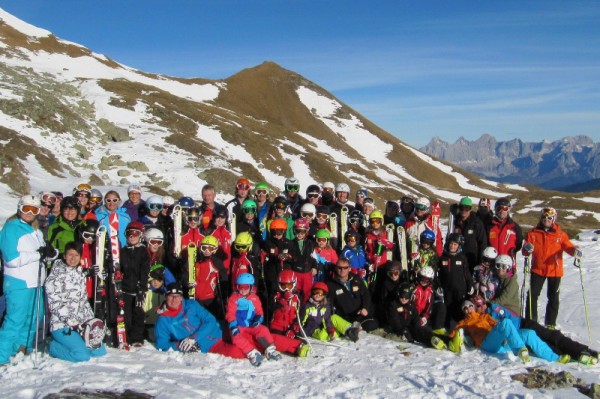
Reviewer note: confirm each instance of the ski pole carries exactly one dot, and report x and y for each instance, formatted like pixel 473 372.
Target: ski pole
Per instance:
pixel 37 312
pixel 304 336
pixel 577 264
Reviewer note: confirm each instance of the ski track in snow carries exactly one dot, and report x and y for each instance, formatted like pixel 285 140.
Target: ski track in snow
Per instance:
pixel 372 368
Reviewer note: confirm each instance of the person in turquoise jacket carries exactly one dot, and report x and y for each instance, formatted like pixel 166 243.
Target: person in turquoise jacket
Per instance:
pixel 111 210
pixel 23 250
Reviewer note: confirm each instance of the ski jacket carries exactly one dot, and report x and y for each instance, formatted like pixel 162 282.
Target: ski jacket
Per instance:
pixel 499 313
pixel 375 255
pixel 477 326
pixel 294 204
pixel 485 282
pixel 316 315
pixel 328 254
pixel 272 264
pixel 19 244
pixel 423 300
pixel 547 259
pixel 135 266
pixel 454 274
pixel 209 273
pixel 191 320
pixel 473 231
pixel 191 236
pixel 224 251
pixel 67 296
pixel 507 293
pixel 61 232
pixel 135 211
pixel 242 311
pixel 427 257
pixel 285 310
pixel 302 260
pixel 506 236
pixel 402 317
pixel 415 226
pixel 103 216
pixel 356 256
pixel 245 263
pixel 349 297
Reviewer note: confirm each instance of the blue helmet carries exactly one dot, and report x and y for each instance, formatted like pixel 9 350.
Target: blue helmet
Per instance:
pixel 427 235
pixel 186 202
pixel 245 278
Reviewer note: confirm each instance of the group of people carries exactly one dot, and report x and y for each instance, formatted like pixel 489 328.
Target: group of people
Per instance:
pixel 258 275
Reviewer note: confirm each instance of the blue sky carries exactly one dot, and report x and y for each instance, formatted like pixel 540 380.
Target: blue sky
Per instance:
pixel 513 69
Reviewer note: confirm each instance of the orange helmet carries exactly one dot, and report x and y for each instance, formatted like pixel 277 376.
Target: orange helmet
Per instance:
pixel 278 224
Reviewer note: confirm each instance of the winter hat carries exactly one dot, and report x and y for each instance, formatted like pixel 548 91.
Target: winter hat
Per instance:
pixel 362 192
pixel 466 201
pixel 69 202
pixel 467 304
pixel 134 188
pixel 174 289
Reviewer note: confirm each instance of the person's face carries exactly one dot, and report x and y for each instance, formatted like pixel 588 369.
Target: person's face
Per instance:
pixel 351 242
pixel 318 295
pixel 83 198
pixel 174 300
pixel 300 234
pixel 404 301
pixel 208 197
pixel 220 221
pixel 134 196
pixel 243 190
pixel 277 234
pixel 360 199
pixel 481 308
pixel 368 210
pixel 70 213
pixel 134 237
pixel 502 212
pixel 342 269
pixel 341 196
pixel 465 211
pixel 313 198
pixel 72 258
pixel 468 309
pixel 547 221
pixel 193 221
pixel 112 202
pixel 322 242
pixel 154 245
pixel 28 213
pixel 501 272
pixel 45 209
pixel 453 247
pixel 249 215
pixel 279 212
pixel 244 289
pixel 394 275
pixel 156 284
pixel 261 195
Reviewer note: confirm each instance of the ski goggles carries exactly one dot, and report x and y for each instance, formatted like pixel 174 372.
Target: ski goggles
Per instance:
pixel 261 192
pixel 468 306
pixel 498 266
pixel 548 213
pixel 421 207
pixel 354 220
pixel 279 205
pixel 502 208
pixel 133 233
pixel 313 195
pixel 156 242
pixel 96 200
pixel 322 239
pixel 193 219
pixel 244 287
pixel 243 186
pixel 208 248
pixel 351 239
pixel 318 291
pixel 308 215
pixel 83 187
pixel 286 286
pixel 49 198
pixel 322 216
pixel 109 200
pixel 393 273
pixel 292 187
pixel 375 222
pixel 251 210
pixel 242 247
pixel 87 235
pixel 155 207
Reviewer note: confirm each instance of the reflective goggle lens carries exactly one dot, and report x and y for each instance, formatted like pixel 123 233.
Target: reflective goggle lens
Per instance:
pixel 50 198
pixel 292 187
pixel 83 187
pixel 96 200
pixel 156 241
pixel 322 215
pixel 155 207
pixel 502 208
pixel 318 291
pixel 286 286
pixel 321 239
pixel 261 192
pixel 207 248
pixel 133 233
pixel 421 207
pixel 307 215
pixel 243 186
pixel 34 210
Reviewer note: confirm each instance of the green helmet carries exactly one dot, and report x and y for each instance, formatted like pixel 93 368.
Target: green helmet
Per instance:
pixel 262 186
pixel 249 206
pixel 323 233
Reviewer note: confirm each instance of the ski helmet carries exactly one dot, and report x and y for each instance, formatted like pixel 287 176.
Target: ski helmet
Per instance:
pixel 393 205
pixel 280 203
pixel 308 211
pixel 262 186
pixel 87 229
pixel 323 209
pixel 69 202
pixel 243 242
pixel 278 224
pixel 27 203
pixel 355 216
pixel 292 184
pixel 157 272
pixel 221 212
pixel 478 301
pixel 242 184
pixel 168 200
pixel 48 197
pixel 134 188
pixel 301 224
pixel 287 280
pixel 504 262
pixel 352 234
pixel 466 202
pixel 328 186
pixel 319 285
pixel 323 233
pixel 549 213
pixel 423 204
pixel 249 206
pixel 96 196
pixel 457 238
pixel 210 240
pixel 154 203
pixel 342 188
pixel 489 255
pixel 313 190
pixel 193 215
pixel 368 202
pixel 245 279
pixel 502 202
pixel 153 234
pixel 174 289
pixel 484 203
pixel 376 215
pixel 361 192
pixel 427 272
pixel 83 188
pixel 427 236
pixel 134 226
pixel 467 304
pixel 186 202
pixel 404 291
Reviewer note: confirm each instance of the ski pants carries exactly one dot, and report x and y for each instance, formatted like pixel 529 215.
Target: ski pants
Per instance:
pixel 18 328
pixel 537 346
pixel 69 345
pixel 248 336
pixel 304 284
pixel 504 331
pixel 226 349
pixel 552 291
pixel 286 344
pixel 340 325
pixel 555 339
pixel 134 320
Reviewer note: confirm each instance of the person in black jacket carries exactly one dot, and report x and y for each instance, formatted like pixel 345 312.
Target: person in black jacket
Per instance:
pixel 302 260
pixel 385 290
pixel 135 266
pixel 467 224
pixel 350 296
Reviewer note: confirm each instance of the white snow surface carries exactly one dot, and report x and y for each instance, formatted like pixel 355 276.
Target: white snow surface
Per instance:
pixel 371 368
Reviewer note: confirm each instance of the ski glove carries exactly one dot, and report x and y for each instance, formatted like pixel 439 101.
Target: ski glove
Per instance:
pixel 47 252
pixel 439 292
pixel 188 344
pixel 528 249
pixel 139 299
pixel 256 321
pixel 471 291
pixel 423 321
pixel 578 253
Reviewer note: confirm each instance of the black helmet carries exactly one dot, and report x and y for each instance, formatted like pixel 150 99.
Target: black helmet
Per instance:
pixel 87 226
pixel 69 202
pixel 457 238
pixel 313 188
pixel 355 216
pixel 221 212
pixel 323 209
pixel 404 291
pixel 352 234
pixel 502 202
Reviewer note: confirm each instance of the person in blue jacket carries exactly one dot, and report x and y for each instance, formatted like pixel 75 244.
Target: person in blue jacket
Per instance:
pixel 111 213
pixel 183 325
pixel 23 251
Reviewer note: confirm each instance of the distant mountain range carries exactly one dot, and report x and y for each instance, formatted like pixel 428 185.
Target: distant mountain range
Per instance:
pixel 570 164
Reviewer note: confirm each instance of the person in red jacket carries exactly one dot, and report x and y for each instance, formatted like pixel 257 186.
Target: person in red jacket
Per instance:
pixel 211 278
pixel 417 223
pixel 546 244
pixel 503 233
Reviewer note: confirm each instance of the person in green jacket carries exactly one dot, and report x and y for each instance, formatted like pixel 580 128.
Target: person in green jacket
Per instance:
pixel 62 230
pixel 507 293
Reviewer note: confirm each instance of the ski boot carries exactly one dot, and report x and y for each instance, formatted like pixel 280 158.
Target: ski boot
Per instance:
pixel 457 342
pixel 272 353
pixel 255 357
pixel 524 355
pixel 352 333
pixel 303 350
pixel 437 343
pixel 564 359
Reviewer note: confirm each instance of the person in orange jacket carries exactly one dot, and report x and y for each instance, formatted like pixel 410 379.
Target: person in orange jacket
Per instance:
pixel 546 244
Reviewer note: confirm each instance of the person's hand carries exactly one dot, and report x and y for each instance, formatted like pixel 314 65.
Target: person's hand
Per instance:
pixel 188 344
pixel 139 299
pixel 47 252
pixel 578 253
pixel 363 312
pixel 528 249
pixel 190 284
pixel 423 321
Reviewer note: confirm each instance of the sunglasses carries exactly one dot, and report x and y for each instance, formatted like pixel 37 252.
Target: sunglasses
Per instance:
pixel 243 186
pixel 261 192
pixel 318 292
pixel 51 198
pixel 421 207
pixel 502 208
pixel 292 187
pixel 467 307
pixel 88 235
pixel 342 267
pixel 133 233
pixel 313 195
pixel 156 242
pixel 322 216
pixel 286 286
pixel 155 207
pixel 83 187
pixel 109 200
pixel 546 217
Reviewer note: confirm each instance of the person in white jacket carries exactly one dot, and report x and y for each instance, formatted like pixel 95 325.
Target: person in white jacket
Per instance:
pixel 23 251
pixel 76 334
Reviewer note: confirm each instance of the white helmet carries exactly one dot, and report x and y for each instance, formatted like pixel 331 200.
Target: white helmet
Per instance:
pixel 342 188
pixel 134 188
pixel 549 212
pixel 153 234
pixel 292 180
pixel 328 185
pixel 423 201
pixel 504 261
pixel 428 272
pixel 308 211
pixel 490 253
pixel 154 199
pixel 31 200
pixel 167 200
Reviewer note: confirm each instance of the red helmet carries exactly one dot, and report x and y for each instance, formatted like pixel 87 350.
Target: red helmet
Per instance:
pixel 478 300
pixel 319 285
pixel 287 280
pixel 135 226
pixel 301 224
